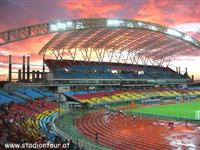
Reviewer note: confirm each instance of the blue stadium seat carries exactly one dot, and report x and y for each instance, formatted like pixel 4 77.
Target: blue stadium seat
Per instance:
pixel 30 93
pixel 7 98
pixel 94 70
pixel 43 92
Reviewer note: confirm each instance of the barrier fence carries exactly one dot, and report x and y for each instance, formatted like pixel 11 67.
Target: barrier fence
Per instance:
pixel 161 117
pixel 80 142
pixel 180 119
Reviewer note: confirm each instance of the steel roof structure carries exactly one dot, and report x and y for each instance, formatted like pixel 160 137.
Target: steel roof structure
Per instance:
pixel 112 40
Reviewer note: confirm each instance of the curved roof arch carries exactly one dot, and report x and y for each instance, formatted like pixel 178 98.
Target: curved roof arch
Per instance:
pixel 14 35
pixel 106 39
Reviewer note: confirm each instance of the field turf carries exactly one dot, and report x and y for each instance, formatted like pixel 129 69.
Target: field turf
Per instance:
pixel 181 110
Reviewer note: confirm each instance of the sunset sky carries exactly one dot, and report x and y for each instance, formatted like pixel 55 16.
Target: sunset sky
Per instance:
pixel 183 15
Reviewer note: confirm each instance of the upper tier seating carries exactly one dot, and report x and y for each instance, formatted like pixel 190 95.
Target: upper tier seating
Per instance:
pixel 68 69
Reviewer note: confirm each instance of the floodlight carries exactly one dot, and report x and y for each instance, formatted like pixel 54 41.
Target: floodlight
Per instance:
pixel 174 32
pixel 188 38
pixel 140 24
pixel 114 23
pixel 61 26
pixel 53 27
pixel 154 28
pixel 130 24
pixel 79 25
pixel 69 24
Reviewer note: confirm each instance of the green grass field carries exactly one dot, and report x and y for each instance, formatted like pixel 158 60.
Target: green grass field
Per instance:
pixel 181 110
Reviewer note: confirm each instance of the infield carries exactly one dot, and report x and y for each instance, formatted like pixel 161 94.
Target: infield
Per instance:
pixel 180 110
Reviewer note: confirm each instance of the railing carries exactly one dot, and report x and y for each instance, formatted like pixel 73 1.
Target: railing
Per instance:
pixel 179 119
pixel 81 143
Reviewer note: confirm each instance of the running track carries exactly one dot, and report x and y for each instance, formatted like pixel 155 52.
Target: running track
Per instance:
pixel 121 133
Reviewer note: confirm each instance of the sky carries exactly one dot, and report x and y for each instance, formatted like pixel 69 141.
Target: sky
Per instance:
pixel 183 15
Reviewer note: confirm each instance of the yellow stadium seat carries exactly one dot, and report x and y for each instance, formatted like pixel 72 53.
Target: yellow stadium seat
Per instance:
pixel 122 96
pixel 106 98
pixel 115 98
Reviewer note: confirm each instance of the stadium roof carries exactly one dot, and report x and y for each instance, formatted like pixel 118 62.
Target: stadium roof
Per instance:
pixel 118 40
pixel 114 40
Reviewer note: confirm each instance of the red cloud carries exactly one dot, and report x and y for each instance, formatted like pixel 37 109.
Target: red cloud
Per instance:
pixel 28 46
pixel 90 8
pixel 4 25
pixel 170 12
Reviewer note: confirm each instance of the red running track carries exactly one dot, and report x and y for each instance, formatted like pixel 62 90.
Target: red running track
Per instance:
pixel 120 132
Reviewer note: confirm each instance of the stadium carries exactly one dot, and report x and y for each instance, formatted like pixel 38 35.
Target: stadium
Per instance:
pixel 105 84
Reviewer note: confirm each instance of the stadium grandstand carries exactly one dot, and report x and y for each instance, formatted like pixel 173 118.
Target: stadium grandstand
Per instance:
pixel 105 84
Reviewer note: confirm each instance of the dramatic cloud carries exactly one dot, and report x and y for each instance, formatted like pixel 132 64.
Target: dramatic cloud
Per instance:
pixel 91 8
pixel 170 12
pixel 180 14
pixel 26 47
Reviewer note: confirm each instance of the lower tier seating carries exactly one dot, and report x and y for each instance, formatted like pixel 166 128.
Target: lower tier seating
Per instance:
pixel 103 97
